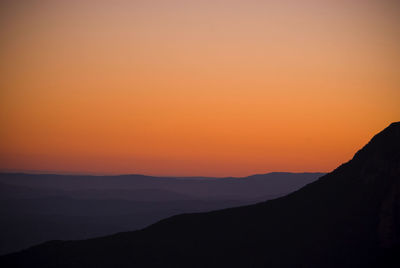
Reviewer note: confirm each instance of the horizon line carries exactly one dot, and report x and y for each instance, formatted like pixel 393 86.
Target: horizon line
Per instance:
pixel 57 173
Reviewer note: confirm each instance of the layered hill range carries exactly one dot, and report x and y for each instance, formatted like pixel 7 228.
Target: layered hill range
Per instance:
pixel 347 218
pixel 35 208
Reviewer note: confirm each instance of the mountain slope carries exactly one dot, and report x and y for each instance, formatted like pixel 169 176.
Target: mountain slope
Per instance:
pixel 348 218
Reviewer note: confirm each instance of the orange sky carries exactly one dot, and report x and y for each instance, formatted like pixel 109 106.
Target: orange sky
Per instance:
pixel 215 88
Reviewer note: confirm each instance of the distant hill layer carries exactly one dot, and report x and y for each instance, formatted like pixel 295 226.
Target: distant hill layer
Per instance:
pixel 211 188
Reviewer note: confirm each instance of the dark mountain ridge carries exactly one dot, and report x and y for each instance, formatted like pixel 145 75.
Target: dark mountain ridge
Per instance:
pixel 347 218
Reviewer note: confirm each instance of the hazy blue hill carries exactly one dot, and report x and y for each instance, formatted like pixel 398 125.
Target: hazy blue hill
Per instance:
pixel 13 191
pixel 29 221
pixel 219 188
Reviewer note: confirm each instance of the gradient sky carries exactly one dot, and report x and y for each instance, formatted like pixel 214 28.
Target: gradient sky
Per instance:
pixel 213 88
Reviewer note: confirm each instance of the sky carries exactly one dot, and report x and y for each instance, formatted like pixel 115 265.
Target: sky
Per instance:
pixel 194 88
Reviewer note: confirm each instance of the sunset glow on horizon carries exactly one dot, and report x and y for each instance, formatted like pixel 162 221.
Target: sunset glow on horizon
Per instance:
pixel 194 88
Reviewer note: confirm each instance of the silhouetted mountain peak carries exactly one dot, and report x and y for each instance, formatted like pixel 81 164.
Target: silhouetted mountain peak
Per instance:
pixel 378 165
pixel 379 158
pixel 385 145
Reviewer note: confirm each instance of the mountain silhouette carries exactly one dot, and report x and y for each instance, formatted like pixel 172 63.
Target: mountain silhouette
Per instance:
pixel 347 218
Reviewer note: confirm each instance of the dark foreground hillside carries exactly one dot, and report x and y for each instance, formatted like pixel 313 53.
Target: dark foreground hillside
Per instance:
pixel 348 218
